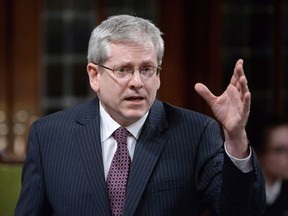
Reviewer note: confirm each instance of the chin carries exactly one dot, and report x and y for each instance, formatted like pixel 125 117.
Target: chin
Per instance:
pixel 135 116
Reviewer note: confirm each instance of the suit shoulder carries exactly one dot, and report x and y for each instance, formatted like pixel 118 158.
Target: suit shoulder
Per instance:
pixel 66 116
pixel 176 113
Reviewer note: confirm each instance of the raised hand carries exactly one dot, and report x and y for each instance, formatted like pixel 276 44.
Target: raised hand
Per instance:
pixel 232 110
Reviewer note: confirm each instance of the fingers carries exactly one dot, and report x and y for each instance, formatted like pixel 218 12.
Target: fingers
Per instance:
pixel 238 72
pixel 243 85
pixel 238 84
pixel 247 103
pixel 239 79
pixel 205 93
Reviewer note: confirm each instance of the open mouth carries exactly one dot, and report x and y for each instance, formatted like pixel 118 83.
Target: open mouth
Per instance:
pixel 135 99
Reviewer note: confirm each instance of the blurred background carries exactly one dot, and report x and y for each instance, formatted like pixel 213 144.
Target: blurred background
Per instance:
pixel 43 46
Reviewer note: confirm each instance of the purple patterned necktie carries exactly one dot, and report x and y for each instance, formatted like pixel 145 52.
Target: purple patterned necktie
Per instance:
pixel 118 172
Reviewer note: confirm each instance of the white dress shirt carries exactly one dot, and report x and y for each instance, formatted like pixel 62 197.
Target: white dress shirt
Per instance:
pixel 109 145
pixel 273 191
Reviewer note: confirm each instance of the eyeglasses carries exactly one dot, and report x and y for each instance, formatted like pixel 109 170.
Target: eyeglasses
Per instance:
pixel 126 72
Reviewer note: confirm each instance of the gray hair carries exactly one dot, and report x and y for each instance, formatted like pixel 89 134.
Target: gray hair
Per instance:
pixel 123 29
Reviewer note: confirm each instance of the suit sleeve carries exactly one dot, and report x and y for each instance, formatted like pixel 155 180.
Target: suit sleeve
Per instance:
pixel 224 188
pixel 242 193
pixel 33 200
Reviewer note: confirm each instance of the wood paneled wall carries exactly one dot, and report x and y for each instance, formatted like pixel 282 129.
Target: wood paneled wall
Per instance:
pixel 20 69
pixel 192 34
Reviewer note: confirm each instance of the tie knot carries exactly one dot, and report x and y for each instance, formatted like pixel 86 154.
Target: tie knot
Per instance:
pixel 120 135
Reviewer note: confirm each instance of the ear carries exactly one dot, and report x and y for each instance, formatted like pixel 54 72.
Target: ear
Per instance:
pixel 93 73
pixel 159 81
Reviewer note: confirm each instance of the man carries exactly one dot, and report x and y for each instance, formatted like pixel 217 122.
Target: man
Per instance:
pixel 272 151
pixel 176 163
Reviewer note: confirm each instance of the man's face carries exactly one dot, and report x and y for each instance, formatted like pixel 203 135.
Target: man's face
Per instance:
pixel 275 159
pixel 126 100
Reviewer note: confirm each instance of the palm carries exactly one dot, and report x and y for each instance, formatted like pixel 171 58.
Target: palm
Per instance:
pixel 232 107
pixel 229 109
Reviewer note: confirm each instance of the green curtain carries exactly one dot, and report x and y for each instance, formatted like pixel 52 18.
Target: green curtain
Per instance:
pixel 10 185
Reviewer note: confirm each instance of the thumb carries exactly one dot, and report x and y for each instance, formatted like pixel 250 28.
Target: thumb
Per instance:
pixel 205 93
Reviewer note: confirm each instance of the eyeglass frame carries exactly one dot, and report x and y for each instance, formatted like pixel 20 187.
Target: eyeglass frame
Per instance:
pixel 156 69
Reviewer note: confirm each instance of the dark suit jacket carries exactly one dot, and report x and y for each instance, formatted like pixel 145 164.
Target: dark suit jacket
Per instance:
pixel 280 206
pixel 179 167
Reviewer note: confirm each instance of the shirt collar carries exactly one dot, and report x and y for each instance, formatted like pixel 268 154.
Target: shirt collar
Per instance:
pixel 108 125
pixel 273 191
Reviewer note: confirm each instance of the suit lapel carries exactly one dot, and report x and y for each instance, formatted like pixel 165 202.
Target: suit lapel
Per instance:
pixel 87 138
pixel 147 152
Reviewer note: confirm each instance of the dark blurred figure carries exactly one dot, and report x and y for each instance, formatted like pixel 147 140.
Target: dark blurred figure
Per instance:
pixel 271 139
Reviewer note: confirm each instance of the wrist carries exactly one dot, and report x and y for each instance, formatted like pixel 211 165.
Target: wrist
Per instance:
pixel 237 145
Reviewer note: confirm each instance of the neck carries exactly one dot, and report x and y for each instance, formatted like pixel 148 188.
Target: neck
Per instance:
pixel 270 180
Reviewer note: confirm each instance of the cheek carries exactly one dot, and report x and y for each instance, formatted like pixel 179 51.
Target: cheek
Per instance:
pixel 155 85
pixel 152 93
pixel 109 90
pixel 103 84
pixel 283 164
pixel 277 165
pixel 269 163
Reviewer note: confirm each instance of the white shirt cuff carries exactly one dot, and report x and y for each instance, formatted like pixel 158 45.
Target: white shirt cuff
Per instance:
pixel 245 164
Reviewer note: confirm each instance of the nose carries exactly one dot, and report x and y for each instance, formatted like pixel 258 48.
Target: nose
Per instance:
pixel 136 81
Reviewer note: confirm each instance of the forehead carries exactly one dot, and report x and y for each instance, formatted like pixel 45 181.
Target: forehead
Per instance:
pixel 128 52
pixel 279 136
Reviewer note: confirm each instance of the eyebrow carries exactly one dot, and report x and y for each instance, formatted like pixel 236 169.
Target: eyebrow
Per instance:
pixel 144 63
